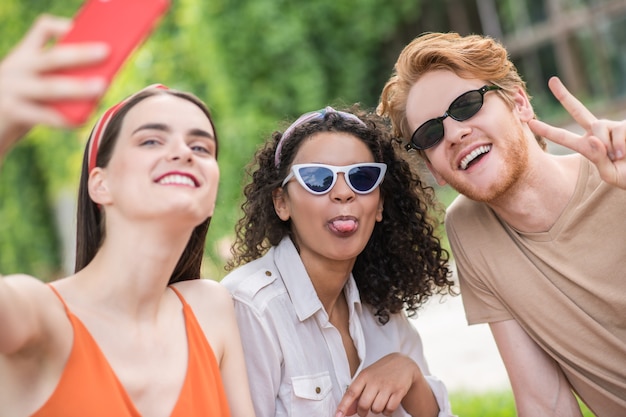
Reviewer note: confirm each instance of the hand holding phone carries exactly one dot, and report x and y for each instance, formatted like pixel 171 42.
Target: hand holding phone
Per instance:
pixel 123 25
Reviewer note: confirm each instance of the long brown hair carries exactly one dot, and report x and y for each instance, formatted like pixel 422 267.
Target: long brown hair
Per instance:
pixel 90 218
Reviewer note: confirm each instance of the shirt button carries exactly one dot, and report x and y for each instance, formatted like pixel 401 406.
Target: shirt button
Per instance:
pixel 268 273
pixel 318 390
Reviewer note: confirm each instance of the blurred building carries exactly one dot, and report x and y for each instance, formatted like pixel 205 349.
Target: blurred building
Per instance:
pixel 581 41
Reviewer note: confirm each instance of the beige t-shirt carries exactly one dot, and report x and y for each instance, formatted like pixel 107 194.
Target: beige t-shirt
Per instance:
pixel 566 287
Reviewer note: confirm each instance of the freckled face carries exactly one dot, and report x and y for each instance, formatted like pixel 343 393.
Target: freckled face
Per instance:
pixel 482 157
pixel 336 225
pixel 163 162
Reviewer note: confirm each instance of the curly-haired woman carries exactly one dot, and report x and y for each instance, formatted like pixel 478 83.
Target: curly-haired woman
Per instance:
pixel 335 247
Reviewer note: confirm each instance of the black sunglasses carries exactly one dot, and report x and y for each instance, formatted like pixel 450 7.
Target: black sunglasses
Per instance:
pixel 462 108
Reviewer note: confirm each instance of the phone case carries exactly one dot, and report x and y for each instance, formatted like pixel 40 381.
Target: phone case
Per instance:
pixel 123 25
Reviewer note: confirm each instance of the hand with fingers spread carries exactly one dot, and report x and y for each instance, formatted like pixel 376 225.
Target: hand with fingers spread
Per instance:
pixel 26 85
pixel 380 388
pixel 603 143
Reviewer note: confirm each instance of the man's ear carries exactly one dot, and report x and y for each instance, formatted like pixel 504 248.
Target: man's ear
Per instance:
pixel 435 174
pixel 522 105
pixel 280 204
pixel 97 186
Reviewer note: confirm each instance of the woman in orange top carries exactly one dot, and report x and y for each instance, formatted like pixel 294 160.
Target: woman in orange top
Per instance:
pixel 133 332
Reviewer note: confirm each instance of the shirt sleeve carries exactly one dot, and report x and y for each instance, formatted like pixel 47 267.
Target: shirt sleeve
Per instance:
pixel 441 395
pixel 480 303
pixel 263 359
pixel 411 345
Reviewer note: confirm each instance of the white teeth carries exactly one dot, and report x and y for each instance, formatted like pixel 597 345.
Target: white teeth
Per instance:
pixel 177 179
pixel 473 155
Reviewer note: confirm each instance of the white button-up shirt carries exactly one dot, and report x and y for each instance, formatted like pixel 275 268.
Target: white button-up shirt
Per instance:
pixel 296 361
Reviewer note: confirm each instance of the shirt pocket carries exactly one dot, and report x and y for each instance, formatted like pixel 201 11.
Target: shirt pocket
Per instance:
pixel 312 395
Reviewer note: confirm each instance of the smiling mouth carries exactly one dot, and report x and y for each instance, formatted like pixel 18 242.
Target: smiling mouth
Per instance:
pixel 177 179
pixel 474 156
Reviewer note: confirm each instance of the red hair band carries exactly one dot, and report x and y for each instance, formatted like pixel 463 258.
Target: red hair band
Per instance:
pixel 103 121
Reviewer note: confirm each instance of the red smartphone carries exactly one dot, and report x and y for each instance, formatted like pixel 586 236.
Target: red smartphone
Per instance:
pixel 123 25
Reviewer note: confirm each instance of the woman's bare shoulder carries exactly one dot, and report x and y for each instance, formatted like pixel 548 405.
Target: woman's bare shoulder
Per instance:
pixel 205 295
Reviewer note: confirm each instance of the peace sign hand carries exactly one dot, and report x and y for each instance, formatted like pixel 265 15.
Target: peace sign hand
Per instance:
pixel 603 143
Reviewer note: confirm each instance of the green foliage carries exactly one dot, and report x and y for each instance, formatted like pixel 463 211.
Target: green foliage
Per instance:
pixel 490 404
pixel 493 404
pixel 278 59
pixel 29 239
pixel 256 63
pixel 33 246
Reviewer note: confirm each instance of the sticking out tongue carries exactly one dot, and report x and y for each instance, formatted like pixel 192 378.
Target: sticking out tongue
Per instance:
pixel 344 226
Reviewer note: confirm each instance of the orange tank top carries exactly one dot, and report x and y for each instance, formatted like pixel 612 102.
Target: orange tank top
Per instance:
pixel 89 387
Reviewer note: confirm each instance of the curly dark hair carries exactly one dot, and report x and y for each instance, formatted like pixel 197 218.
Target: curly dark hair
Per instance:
pixel 403 263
